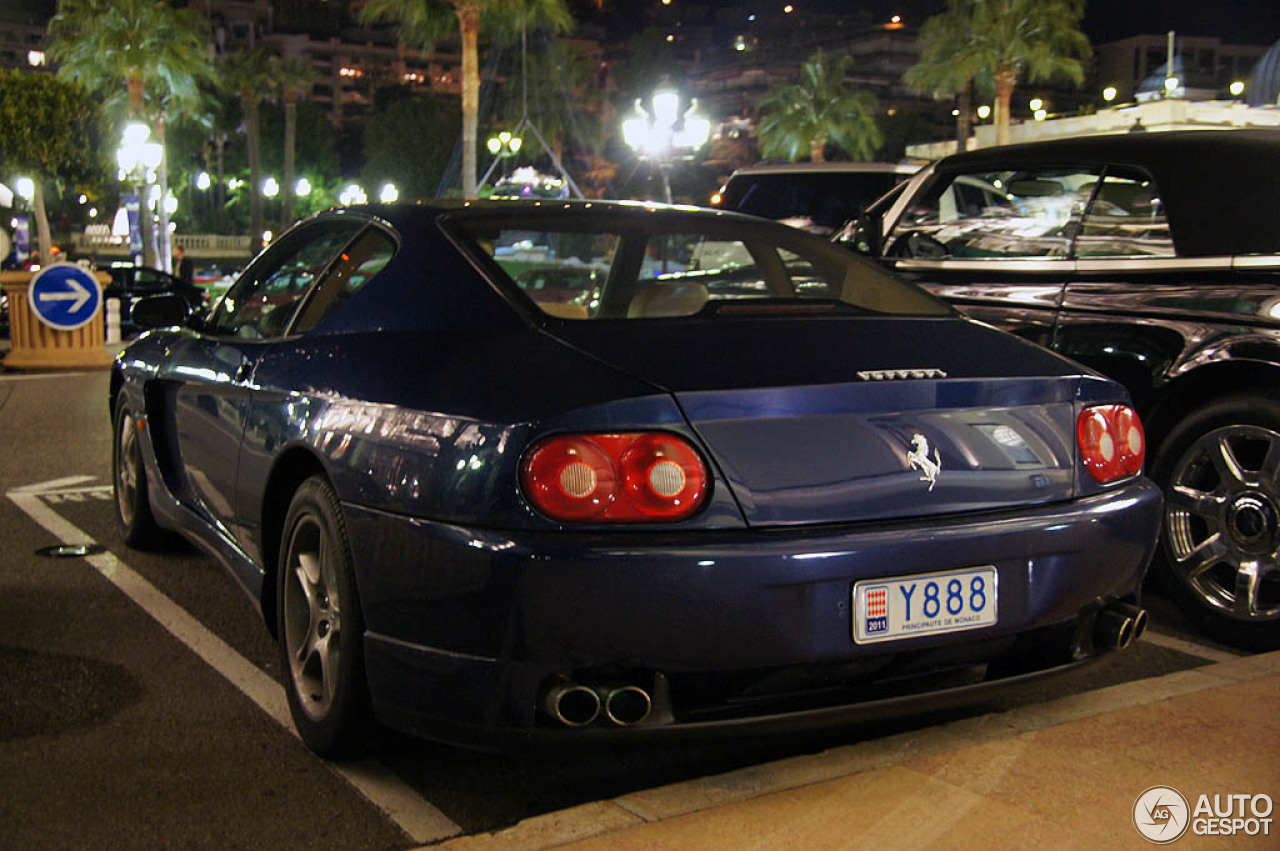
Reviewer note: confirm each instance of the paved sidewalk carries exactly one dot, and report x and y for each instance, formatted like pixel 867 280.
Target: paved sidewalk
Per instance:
pixel 1062 775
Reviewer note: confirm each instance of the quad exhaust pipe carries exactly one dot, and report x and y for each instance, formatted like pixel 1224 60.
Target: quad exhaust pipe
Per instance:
pixel 1119 625
pixel 576 705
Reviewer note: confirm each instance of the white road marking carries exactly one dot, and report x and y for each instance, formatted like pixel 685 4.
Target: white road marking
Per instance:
pixel 1191 648
pixel 417 817
pixel 45 375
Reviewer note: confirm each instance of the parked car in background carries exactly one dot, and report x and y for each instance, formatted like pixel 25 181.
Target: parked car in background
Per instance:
pixel 130 283
pixel 785 490
pixel 1155 259
pixel 818 197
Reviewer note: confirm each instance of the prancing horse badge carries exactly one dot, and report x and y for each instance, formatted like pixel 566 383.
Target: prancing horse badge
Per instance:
pixel 919 459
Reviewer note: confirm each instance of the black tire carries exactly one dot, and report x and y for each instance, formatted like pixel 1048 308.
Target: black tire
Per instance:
pixel 321 628
pixel 1220 542
pixel 137 524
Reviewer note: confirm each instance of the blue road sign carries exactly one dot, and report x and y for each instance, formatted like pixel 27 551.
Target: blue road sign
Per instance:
pixel 64 296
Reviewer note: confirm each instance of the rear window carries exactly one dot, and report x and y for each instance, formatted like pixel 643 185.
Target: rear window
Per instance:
pixel 818 202
pixel 581 268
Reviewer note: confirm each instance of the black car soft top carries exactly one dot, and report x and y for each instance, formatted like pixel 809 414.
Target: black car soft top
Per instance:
pixel 1221 187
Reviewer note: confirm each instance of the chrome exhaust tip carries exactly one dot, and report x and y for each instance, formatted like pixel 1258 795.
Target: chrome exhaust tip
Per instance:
pixel 1137 613
pixel 627 705
pixel 1113 629
pixel 571 704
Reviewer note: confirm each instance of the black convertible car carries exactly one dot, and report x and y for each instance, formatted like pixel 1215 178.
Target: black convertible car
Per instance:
pixel 755 481
pixel 1155 259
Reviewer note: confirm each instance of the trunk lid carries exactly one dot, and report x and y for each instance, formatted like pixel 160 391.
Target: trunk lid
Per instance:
pixel 862 418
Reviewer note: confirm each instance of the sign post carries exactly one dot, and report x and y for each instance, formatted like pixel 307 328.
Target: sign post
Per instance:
pixel 55 318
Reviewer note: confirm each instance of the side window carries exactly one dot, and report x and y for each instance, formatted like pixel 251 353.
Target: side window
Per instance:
pixel 149 281
pixel 262 301
pixel 355 266
pixel 1125 219
pixel 1009 214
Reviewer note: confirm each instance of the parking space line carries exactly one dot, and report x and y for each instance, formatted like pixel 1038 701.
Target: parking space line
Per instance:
pixel 43 375
pixel 1191 648
pixel 417 817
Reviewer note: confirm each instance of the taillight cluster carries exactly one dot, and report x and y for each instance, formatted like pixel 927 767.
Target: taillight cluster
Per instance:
pixel 1112 443
pixel 631 477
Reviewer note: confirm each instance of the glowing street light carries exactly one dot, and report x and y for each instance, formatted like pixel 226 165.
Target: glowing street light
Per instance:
pixel 388 194
pixel 270 188
pixel 1237 88
pixel 661 133
pixel 504 144
pixel 1036 104
pixel 26 188
pixel 135 151
pixel 352 194
pixel 303 188
pixel 1171 85
pixel 1109 94
pixel 203 181
pixel 984 112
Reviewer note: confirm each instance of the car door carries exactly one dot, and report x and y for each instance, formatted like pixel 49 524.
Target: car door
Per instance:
pixel 995 243
pixel 1134 307
pixel 211 374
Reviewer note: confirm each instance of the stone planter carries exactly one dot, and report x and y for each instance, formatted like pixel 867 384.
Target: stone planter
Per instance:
pixel 37 346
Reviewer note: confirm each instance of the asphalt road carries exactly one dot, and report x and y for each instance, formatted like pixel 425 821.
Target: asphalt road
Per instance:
pixel 140 704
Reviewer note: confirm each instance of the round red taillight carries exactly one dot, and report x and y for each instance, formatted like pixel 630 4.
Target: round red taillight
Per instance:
pixel 1112 442
pixel 628 477
pixel 570 478
pixel 662 475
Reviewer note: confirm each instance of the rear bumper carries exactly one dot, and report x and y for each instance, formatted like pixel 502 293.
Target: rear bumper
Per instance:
pixel 466 628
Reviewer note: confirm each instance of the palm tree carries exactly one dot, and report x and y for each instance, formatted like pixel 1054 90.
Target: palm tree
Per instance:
pixel 946 66
pixel 424 22
pixel 817 111
pixel 294 78
pixel 157 53
pixel 250 75
pixel 1039 38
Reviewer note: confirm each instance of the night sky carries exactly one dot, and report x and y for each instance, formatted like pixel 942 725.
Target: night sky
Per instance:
pixel 1234 21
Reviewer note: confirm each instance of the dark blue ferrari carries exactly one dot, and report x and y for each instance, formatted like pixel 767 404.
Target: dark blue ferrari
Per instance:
pixel 742 479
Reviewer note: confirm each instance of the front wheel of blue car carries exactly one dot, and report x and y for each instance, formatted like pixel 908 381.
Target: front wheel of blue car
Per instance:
pixel 320 624
pixel 138 527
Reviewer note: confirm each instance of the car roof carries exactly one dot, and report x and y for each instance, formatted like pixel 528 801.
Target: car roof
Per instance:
pixel 1221 187
pixel 828 167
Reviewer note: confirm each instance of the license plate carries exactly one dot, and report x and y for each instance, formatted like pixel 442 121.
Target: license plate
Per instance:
pixel 924 604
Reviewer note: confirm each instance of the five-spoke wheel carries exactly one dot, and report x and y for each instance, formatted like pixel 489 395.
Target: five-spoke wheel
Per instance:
pixel 320 624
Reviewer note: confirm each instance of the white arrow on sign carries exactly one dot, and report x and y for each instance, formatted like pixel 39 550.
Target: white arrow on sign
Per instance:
pixel 79 295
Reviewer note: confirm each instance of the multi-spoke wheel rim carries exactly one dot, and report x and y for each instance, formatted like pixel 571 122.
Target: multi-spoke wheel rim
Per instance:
pixel 1222 521
pixel 312 617
pixel 128 468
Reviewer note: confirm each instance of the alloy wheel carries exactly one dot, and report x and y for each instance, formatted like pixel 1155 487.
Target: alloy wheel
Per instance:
pixel 312 617
pixel 1222 521
pixel 128 468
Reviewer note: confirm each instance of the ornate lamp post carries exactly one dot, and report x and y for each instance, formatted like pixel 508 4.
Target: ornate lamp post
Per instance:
pixel 136 157
pixel 661 133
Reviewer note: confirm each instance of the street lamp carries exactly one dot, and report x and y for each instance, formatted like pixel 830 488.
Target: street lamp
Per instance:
pixel 1237 88
pixel 984 112
pixel 661 133
pixel 388 194
pixel 504 144
pixel 136 157
pixel 1109 94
